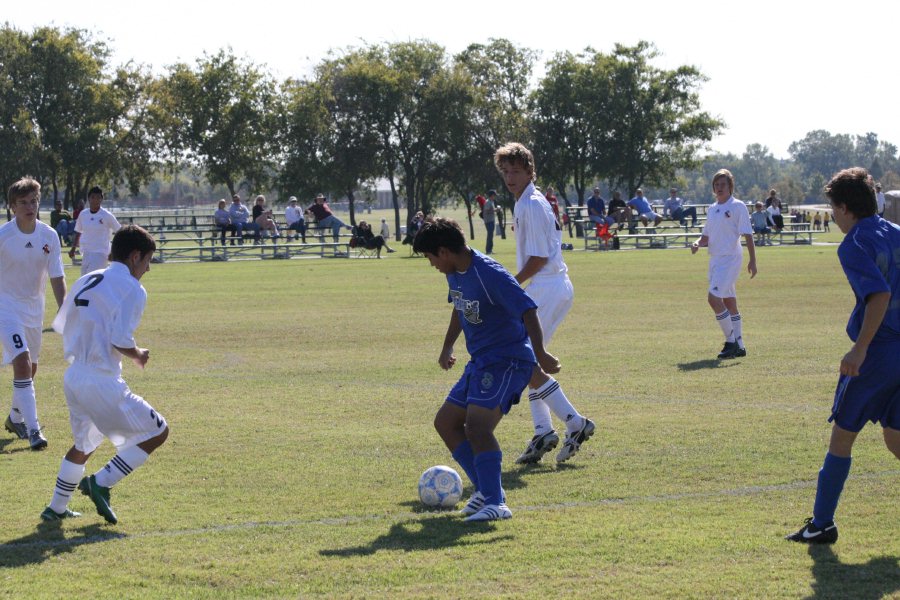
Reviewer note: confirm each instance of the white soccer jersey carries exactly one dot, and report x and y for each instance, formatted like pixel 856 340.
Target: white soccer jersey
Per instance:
pixel 538 233
pixel 725 224
pixel 26 261
pixel 96 230
pixel 102 310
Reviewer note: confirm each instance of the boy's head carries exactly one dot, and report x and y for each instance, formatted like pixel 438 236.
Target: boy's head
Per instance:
pixel 26 187
pixel 95 198
pixel 235 199
pixel 727 183
pixel 758 206
pixel 515 163
pixel 222 203
pixel 852 190
pixel 133 246
pixel 439 233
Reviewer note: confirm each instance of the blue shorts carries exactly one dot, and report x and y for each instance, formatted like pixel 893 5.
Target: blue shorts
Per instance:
pixel 874 394
pixel 499 383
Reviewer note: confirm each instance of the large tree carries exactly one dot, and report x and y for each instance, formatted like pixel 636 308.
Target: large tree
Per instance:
pixel 227 113
pixel 657 124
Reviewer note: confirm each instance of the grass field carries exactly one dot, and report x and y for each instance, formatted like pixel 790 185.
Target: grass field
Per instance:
pixel 300 396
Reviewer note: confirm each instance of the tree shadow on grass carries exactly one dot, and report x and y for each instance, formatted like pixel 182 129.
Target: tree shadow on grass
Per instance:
pixel 878 578
pixel 707 363
pixel 48 540
pixel 422 534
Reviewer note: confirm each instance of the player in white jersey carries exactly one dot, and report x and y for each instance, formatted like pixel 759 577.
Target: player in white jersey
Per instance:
pixel 726 221
pixel 29 254
pixel 97 322
pixel 539 259
pixel 93 230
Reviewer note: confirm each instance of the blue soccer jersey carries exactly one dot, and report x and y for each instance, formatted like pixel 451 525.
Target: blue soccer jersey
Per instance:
pixel 491 303
pixel 869 255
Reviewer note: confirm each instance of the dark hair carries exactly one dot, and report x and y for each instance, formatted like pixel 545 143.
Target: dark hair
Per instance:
pixel 854 189
pixel 95 190
pixel 130 238
pixel 439 233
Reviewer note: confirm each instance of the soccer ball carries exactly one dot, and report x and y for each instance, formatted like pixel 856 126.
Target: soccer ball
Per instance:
pixel 440 487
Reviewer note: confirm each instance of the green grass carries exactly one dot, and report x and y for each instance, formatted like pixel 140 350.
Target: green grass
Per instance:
pixel 300 396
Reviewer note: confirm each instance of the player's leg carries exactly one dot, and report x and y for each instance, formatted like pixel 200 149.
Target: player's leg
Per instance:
pixel 488 460
pixel 723 272
pixel 24 399
pixel 892 440
pixel 450 423
pixel 737 325
pixel 71 470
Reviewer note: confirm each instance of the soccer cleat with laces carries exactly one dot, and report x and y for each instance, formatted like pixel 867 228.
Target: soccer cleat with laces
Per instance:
pixel 538 447
pixel 51 515
pixel 729 350
pixel 740 353
pixel 37 440
pixel 574 440
pixel 491 512
pixel 99 495
pixel 810 534
pixel 17 429
pixel 475 503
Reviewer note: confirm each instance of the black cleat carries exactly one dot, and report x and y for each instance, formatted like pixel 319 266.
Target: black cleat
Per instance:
pixel 17 429
pixel 810 534
pixel 740 352
pixel 729 350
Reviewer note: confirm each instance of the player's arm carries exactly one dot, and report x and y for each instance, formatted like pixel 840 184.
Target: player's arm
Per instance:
pixel 447 359
pixel 531 268
pixel 751 250
pixel 140 356
pixel 702 242
pixel 59 289
pixel 876 307
pixel 548 362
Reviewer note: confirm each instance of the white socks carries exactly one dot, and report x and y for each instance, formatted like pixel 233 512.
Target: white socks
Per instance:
pixel 737 325
pixel 66 482
pixel 551 397
pixel 724 321
pixel 23 399
pixel 120 465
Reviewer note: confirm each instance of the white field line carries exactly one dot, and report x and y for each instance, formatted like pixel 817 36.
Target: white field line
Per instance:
pixel 411 516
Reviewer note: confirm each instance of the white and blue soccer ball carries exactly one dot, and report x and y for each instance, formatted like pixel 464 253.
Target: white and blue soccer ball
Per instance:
pixel 440 487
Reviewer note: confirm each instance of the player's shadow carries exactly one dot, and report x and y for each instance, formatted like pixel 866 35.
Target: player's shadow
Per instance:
pixel 49 540
pixel 706 363
pixel 422 534
pixel 878 578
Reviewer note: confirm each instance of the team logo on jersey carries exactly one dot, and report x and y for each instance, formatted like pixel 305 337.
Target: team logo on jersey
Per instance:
pixel 727 214
pixel 46 248
pixel 468 308
pixel 487 381
pixel 28 245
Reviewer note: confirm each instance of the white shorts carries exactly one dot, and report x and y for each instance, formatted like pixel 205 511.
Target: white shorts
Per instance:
pixel 18 339
pixel 103 406
pixel 91 261
pixel 724 271
pixel 553 296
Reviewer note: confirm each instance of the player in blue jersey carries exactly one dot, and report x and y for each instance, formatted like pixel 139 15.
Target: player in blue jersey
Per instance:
pixel 868 388
pixel 504 340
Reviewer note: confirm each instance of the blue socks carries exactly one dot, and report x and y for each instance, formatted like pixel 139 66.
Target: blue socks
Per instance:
pixel 831 482
pixel 466 459
pixel 487 465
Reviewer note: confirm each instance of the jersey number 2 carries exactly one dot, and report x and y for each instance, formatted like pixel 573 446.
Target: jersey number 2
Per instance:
pixel 92 281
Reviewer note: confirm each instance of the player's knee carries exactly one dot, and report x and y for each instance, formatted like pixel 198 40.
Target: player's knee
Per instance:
pixel 892 440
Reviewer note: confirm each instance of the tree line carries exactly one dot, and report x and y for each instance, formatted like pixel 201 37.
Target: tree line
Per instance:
pixel 406 112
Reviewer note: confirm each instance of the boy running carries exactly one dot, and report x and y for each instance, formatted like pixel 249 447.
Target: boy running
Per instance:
pixel 726 221
pixel 539 259
pixel 97 322
pixel 498 318
pixel 29 254
pixel 868 387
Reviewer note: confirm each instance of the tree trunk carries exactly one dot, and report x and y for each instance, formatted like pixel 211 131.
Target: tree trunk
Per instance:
pixel 350 205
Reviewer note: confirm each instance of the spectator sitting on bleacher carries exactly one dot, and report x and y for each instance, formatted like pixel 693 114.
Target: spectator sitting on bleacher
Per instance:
pixel 325 218
pixel 674 209
pixel 773 207
pixel 62 222
pixel 239 218
pixel 762 224
pixel 371 241
pixel 223 221
pixel 642 207
pixel 293 216
pixel 597 209
pixel 618 210
pixel 265 222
